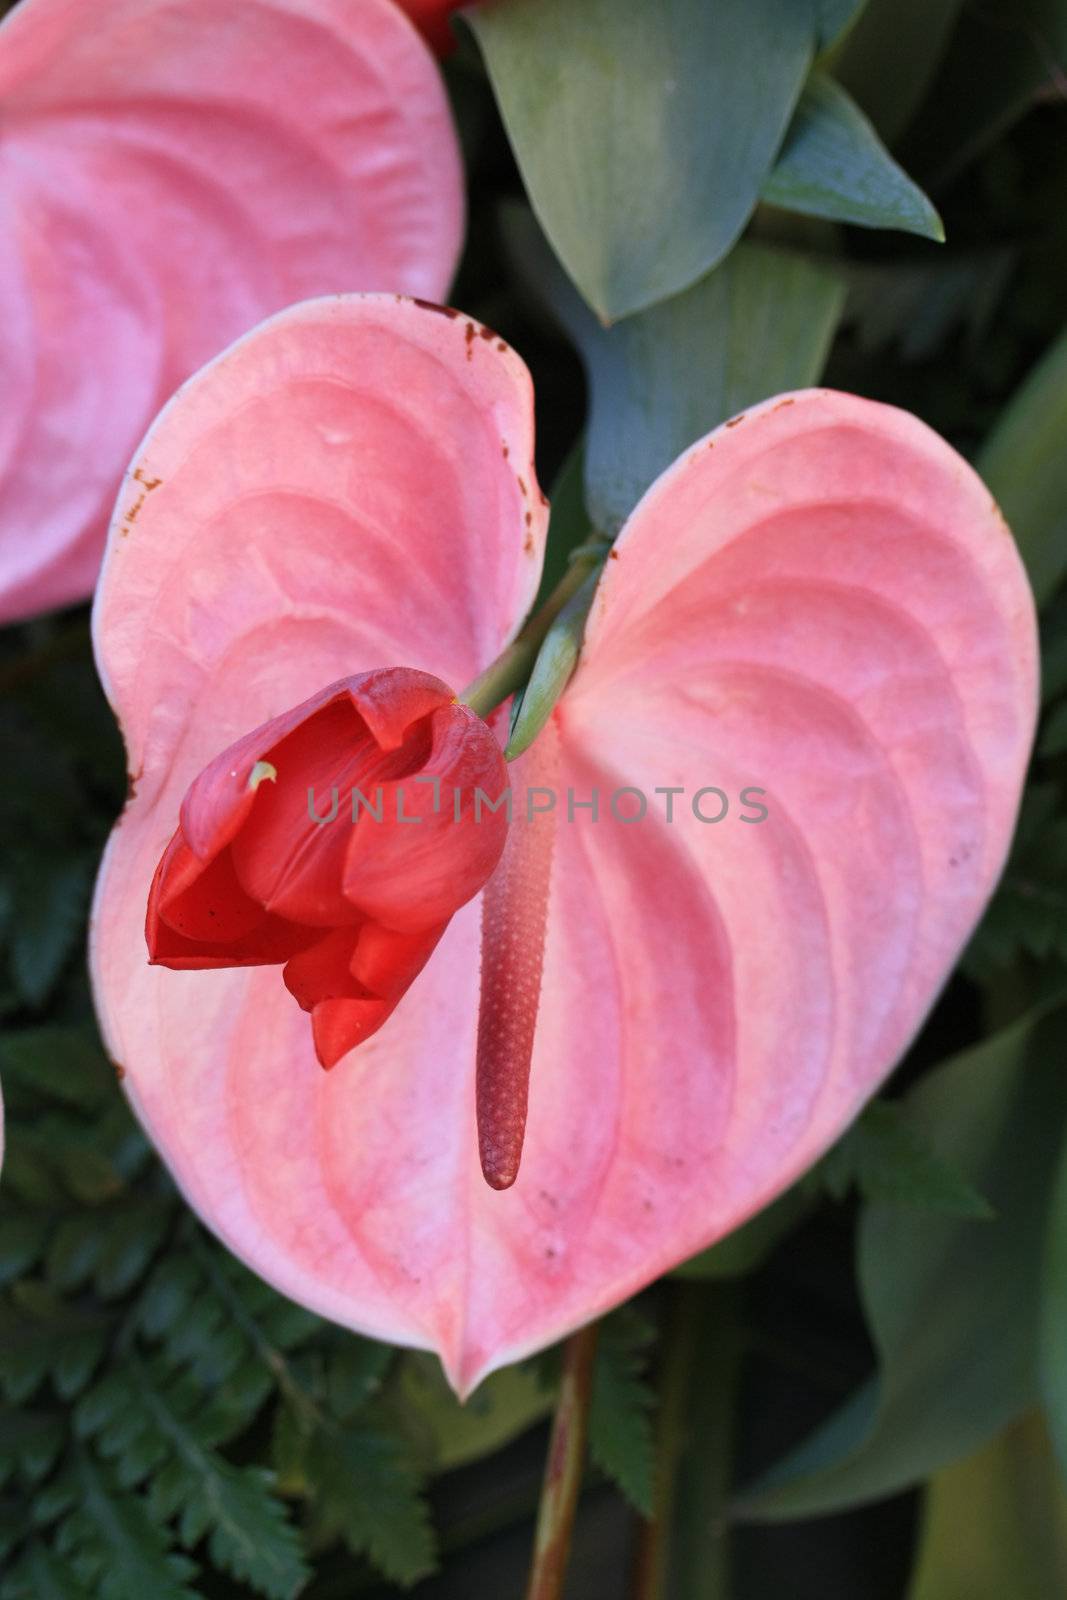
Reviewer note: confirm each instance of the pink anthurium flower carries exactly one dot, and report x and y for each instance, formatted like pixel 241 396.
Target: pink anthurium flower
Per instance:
pixel 172 171
pixel 818 602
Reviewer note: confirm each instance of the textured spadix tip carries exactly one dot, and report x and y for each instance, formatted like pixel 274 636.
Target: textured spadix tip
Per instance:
pixel 500 1167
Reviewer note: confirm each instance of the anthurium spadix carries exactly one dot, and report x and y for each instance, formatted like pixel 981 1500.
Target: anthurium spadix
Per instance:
pixel 818 602
pixel 172 171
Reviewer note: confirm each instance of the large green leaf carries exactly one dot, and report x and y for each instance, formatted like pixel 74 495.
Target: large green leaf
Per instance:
pixel 1024 463
pixel 759 324
pixel 644 132
pixel 834 165
pixel 742 1251
pixel 952 1303
pixel 888 59
pixel 995 1526
pixel 450 1433
pixel 835 16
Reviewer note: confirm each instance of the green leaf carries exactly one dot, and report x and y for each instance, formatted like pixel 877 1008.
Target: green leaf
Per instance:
pixel 56 1063
pixel 553 668
pixel 995 1525
pixel 114 1546
pixel 620 1412
pixel 742 1251
pixel 760 324
pixel 834 165
pixel 644 133
pixel 952 1304
pixel 155 1425
pixel 1025 465
pixel 39 1574
pixel 42 1337
pixel 835 17
pixel 888 59
pixel 355 1373
pixel 47 920
pixel 30 1443
pixel 451 1434
pixel 915 307
pixel 886 1157
pixel 366 1492
pixel 1028 913
pixel 569 524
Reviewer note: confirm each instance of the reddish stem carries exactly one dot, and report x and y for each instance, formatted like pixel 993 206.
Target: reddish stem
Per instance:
pixel 563 1468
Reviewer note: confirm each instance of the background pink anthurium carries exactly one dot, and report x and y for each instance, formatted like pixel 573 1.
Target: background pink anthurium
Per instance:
pixel 819 599
pixel 171 172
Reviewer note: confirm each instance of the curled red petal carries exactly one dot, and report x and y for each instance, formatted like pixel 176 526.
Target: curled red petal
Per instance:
pixel 441 830
pixel 199 917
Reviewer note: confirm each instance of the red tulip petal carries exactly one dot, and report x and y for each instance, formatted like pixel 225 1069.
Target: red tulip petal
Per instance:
pixel 324 970
pixel 352 983
pixel 197 913
pixel 431 17
pixel 220 798
pixel 167 180
pixel 441 832
pixel 340 491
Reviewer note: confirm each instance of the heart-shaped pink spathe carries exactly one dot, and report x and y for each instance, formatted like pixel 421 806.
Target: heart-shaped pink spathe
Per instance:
pixel 819 600
pixel 170 173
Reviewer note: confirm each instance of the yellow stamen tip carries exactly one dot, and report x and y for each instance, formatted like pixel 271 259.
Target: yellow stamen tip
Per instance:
pixel 260 772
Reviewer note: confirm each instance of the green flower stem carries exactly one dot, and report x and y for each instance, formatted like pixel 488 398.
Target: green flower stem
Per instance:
pixel 512 668
pixel 683 1552
pixel 563 1468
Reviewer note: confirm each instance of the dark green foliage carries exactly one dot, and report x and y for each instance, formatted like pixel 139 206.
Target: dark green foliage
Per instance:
pixel 885 1156
pixel 620 1416
pixel 144 1371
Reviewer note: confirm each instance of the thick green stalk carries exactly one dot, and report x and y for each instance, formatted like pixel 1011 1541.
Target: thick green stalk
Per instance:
pixel 683 1552
pixel 512 668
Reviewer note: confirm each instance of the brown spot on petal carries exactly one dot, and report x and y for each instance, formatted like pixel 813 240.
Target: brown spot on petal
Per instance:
pixel 431 305
pixel 149 483
pixel 782 404
pixel 735 421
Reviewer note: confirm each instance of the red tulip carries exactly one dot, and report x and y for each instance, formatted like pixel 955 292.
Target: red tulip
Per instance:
pixel 819 600
pixel 171 172
pixel 431 19
pixel 338 838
